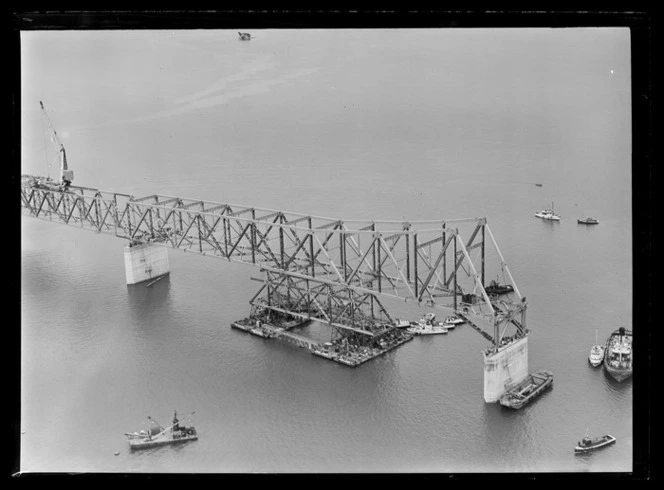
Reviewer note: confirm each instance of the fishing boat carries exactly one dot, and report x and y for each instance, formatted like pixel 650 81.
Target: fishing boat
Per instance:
pixel 526 391
pixel 427 326
pixel 548 214
pixel 590 444
pixel 596 353
pixel 496 288
pixel 618 354
pixel 156 435
pixel 588 221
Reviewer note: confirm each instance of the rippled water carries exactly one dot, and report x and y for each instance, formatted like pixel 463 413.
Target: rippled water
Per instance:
pixel 349 124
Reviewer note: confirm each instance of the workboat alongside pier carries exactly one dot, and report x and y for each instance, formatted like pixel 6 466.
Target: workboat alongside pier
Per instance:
pixel 526 391
pixel 156 435
pixel 428 326
pixel 495 288
pixel 618 354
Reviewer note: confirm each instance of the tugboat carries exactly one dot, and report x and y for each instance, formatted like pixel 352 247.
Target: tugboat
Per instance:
pixel 496 288
pixel 588 221
pixel 156 435
pixel 618 354
pixel 596 353
pixel 587 444
pixel 548 214
pixel 427 326
pixel 526 391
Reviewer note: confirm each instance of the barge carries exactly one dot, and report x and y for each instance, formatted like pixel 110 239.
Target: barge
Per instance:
pixel 526 391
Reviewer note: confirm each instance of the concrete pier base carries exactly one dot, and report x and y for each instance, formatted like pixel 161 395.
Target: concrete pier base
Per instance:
pixel 145 261
pixel 505 367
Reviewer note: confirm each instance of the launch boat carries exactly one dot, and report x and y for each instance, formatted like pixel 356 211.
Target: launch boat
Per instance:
pixel 156 435
pixel 427 326
pixel 596 353
pixel 587 444
pixel 618 354
pixel 497 288
pixel 526 391
pixel 548 214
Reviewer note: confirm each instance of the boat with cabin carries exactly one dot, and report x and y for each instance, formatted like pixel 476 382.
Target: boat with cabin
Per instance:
pixel 618 354
pixel 496 288
pixel 588 221
pixel 427 326
pixel 596 356
pixel 588 444
pixel 548 214
pixel 527 390
pixel 156 435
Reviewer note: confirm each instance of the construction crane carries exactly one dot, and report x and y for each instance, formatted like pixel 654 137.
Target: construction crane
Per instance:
pixel 66 175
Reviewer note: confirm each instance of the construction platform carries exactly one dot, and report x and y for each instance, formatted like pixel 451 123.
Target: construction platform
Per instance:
pixel 339 351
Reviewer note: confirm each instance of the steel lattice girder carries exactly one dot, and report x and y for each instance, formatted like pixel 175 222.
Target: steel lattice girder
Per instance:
pixel 339 306
pixel 426 261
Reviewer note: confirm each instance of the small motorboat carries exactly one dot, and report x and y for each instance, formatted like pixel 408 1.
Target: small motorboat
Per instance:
pixel 427 326
pixel 403 323
pixel 156 435
pixel 496 288
pixel 588 221
pixel 453 320
pixel 596 356
pixel 590 444
pixel 244 36
pixel 548 214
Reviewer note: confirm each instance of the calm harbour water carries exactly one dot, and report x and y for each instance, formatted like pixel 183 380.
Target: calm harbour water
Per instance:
pixel 385 124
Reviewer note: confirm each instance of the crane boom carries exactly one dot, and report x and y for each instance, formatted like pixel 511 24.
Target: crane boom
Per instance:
pixel 66 175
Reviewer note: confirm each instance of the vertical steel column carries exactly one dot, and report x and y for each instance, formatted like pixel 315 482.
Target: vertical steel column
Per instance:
pixel 445 256
pixel 415 254
pixel 456 237
pixel 253 236
pixel 281 247
pixel 380 268
pixel 408 258
pixel 483 254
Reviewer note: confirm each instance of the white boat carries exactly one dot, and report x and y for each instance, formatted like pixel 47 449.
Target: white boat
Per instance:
pixel 596 353
pixel 427 326
pixel 548 214
pixel 452 321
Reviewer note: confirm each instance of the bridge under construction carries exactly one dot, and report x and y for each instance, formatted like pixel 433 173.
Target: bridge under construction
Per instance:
pixel 316 268
pixel 313 268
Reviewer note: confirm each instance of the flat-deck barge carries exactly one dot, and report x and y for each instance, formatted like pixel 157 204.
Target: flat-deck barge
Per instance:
pixel 338 352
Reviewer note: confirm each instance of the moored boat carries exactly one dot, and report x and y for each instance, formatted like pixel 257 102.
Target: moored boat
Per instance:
pixel 403 323
pixel 427 326
pixel 590 444
pixel 588 221
pixel 618 354
pixel 496 288
pixel 548 214
pixel 596 356
pixel 156 435
pixel 526 391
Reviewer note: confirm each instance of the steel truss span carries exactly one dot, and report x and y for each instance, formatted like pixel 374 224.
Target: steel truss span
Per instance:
pixel 439 263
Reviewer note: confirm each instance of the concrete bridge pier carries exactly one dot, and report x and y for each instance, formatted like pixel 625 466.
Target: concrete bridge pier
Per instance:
pixel 145 261
pixel 504 367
